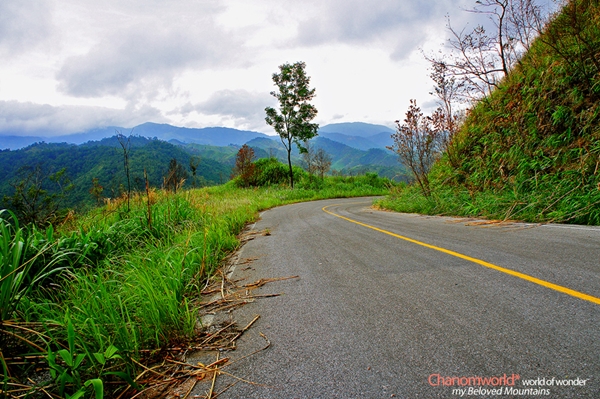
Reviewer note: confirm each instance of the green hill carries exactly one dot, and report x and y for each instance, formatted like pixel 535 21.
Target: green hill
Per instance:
pixel 104 160
pixel 531 149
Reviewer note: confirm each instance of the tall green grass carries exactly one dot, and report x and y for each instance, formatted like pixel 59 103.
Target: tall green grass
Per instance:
pixel 553 200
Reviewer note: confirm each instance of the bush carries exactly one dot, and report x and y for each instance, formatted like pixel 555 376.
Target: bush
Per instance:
pixel 269 172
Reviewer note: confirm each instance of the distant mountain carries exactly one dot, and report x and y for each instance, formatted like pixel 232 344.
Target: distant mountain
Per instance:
pixel 383 139
pixel 103 158
pixel 345 159
pixel 225 155
pixel 357 142
pixel 362 136
pixel 216 136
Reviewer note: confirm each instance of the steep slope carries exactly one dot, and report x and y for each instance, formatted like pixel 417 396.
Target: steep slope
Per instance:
pixel 531 150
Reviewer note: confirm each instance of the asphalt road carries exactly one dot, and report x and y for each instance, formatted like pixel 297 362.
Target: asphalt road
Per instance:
pixel 375 316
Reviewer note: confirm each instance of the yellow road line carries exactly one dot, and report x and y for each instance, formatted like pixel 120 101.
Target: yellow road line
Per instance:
pixel 527 277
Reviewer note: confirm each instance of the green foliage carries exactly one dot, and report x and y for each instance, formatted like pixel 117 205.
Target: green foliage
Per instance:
pixel 67 367
pixel 28 257
pixel 268 172
pixel 345 160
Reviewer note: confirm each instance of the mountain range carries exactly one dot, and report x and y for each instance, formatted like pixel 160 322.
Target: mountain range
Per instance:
pixel 361 136
pixel 218 136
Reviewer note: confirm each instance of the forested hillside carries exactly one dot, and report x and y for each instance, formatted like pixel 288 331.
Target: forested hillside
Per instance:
pixel 104 160
pixel 345 159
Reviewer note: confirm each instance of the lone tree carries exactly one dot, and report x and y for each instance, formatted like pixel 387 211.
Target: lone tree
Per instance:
pixel 292 120
pixel 126 145
pixel 308 157
pixel 194 163
pixel 96 190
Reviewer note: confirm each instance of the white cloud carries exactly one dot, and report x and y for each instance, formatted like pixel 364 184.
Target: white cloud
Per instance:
pixel 144 56
pixel 23 118
pixel 401 27
pixel 359 21
pixel 234 108
pixel 236 103
pixel 23 25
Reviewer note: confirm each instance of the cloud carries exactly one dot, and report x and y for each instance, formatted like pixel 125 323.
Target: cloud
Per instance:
pixel 148 54
pixel 238 103
pixel 23 25
pixel 23 118
pixel 245 109
pixel 360 22
pixel 355 21
pixel 398 26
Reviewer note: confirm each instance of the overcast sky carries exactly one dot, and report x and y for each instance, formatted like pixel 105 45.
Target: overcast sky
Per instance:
pixel 71 65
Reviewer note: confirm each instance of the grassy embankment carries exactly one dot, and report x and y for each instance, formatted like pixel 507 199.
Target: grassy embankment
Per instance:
pixel 531 150
pixel 92 299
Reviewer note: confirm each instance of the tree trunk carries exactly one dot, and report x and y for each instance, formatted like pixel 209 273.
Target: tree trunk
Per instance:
pixel 289 151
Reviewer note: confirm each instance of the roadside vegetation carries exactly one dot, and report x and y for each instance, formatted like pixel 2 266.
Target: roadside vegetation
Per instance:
pixel 88 305
pixel 529 147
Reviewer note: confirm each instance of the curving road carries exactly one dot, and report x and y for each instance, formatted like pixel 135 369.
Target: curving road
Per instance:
pixel 407 306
